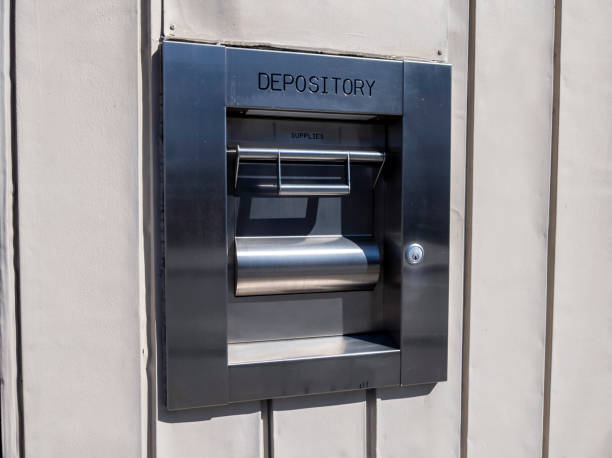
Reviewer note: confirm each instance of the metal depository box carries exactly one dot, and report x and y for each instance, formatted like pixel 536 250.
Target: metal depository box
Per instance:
pixel 306 222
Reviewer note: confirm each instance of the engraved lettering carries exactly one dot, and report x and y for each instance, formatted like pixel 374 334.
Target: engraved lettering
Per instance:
pixel 297 83
pixel 358 86
pixel 314 84
pixel 307 135
pixel 262 77
pixel 336 83
pixel 370 85
pixel 347 89
pixel 287 80
pixel 275 78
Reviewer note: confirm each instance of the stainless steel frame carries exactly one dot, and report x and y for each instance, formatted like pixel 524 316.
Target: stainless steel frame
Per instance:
pixel 406 342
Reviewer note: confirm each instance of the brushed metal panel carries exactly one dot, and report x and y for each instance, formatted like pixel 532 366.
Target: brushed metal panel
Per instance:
pixel 410 204
pixel 290 316
pixel 331 83
pixel 195 231
pixel 309 348
pixel 425 219
pixel 311 376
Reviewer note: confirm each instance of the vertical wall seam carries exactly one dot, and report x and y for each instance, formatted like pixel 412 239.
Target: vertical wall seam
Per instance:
pixel 552 227
pixel 161 20
pixel 467 268
pixel 15 209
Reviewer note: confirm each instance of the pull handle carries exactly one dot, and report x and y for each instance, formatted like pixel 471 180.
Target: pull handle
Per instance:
pixel 285 189
pixel 305 155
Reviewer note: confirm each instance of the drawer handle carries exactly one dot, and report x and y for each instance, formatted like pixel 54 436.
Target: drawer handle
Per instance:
pixel 285 189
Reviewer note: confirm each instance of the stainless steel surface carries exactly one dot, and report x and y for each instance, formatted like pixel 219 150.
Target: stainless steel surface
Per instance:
pixel 379 173
pixel 307 115
pixel 414 253
pixel 310 366
pixel 425 213
pixel 312 155
pixel 314 375
pixel 285 189
pixel 314 189
pixel 244 88
pixel 195 232
pixel 296 316
pixel 252 213
pixel 210 88
pixel 313 347
pixel 281 265
pixel 304 134
pixel 271 154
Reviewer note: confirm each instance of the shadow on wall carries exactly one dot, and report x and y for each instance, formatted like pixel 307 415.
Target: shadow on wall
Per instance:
pixel 207 413
pixel 294 403
pixel 403 392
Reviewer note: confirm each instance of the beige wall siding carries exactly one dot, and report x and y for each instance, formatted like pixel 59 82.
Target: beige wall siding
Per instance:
pixel 325 425
pixel 511 181
pixel 581 379
pixel 78 137
pixel 416 29
pixel 82 111
pixel 235 431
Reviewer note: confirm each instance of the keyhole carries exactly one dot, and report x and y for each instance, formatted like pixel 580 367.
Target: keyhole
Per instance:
pixel 414 253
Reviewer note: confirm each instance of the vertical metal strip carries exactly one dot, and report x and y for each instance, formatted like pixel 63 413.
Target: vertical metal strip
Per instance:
pixel 270 438
pixel 425 219
pixel 371 423
pixel 469 195
pixel 279 181
pixel 150 62
pixel 267 418
pixel 195 190
pixel 16 245
pixel 552 228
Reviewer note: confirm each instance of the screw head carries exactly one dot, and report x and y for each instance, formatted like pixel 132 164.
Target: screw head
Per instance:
pixel 414 253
